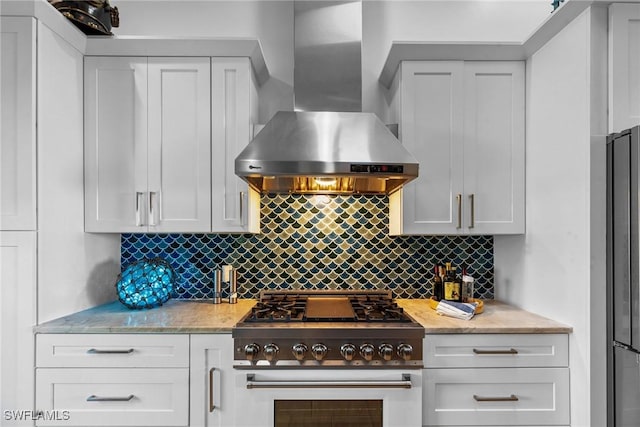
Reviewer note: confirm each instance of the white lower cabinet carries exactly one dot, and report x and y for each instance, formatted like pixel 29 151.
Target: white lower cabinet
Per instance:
pixel 18 259
pixel 113 397
pixel 134 380
pixel 112 379
pixel 496 396
pixel 211 381
pixel 496 380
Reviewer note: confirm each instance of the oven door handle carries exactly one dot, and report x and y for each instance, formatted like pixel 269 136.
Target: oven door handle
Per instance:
pixel 405 382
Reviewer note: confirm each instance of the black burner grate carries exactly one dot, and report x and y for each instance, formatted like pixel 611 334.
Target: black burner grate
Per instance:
pixel 293 307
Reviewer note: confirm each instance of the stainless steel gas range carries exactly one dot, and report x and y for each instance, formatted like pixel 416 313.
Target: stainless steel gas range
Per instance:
pixel 327 329
pixel 296 351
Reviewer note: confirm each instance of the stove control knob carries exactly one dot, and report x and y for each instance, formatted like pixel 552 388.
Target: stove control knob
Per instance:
pixel 348 351
pixel 367 351
pixel 386 351
pixel 251 351
pixel 405 351
pixel 271 352
pixel 319 351
pixel 299 351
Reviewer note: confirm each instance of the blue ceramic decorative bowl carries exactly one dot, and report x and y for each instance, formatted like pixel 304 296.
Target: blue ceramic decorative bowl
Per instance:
pixel 146 284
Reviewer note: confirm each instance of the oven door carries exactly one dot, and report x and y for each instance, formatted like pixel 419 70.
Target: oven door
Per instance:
pixel 319 397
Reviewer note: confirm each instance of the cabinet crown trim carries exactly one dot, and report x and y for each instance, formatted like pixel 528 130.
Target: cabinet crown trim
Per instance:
pixel 485 50
pixel 181 46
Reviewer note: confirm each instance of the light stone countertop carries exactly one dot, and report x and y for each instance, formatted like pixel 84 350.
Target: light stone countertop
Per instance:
pixel 497 318
pixel 175 316
pixel 193 317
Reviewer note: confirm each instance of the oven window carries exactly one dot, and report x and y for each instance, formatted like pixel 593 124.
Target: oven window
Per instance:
pixel 328 413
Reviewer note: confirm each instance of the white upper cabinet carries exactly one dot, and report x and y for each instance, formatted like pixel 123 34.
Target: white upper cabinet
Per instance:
pixel 18 129
pixel 464 123
pixel 494 135
pixel 147 144
pixel 179 145
pixel 115 143
pixel 624 66
pixel 161 138
pixel 235 207
pixel 430 128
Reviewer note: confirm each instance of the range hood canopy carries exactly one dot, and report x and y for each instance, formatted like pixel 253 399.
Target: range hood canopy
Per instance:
pixel 325 152
pixel 326 146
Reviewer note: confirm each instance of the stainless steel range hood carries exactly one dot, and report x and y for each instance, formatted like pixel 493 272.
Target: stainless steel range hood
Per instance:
pixel 326 146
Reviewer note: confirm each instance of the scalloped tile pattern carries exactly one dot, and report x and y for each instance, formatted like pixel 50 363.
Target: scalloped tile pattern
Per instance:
pixel 316 242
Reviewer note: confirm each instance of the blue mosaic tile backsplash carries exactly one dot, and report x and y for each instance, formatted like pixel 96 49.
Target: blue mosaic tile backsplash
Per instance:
pixel 316 242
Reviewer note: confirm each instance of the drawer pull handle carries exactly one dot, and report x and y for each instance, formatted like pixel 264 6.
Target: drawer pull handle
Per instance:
pixel 510 351
pixel 94 398
pixel 211 404
pixel 98 351
pixel 512 398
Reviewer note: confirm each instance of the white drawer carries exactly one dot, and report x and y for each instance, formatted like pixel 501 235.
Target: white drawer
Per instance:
pixel 496 397
pixel 113 397
pixel 496 350
pixel 112 351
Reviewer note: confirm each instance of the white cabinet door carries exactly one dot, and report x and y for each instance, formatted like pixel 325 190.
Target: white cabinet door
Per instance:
pixel 430 128
pixel 112 351
pixel 17 317
pixel 179 180
pixel 624 66
pixel 115 144
pixel 211 381
pixel 494 148
pixel 496 350
pixel 464 123
pixel 235 207
pixel 113 397
pixel 18 119
pixel 147 145
pixel 496 397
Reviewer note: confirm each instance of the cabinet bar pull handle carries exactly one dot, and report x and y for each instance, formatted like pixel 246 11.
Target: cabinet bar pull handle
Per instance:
pixel 510 351
pixel 211 404
pixel 242 208
pixel 98 351
pixel 512 398
pixel 472 199
pixel 152 216
pixel 459 200
pixel 94 398
pixel 139 196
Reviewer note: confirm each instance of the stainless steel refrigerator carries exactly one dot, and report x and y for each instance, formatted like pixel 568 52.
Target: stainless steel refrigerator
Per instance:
pixel 623 275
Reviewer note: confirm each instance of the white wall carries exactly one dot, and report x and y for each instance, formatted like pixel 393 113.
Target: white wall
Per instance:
pixel 270 21
pixel 76 270
pixel 554 267
pixel 432 20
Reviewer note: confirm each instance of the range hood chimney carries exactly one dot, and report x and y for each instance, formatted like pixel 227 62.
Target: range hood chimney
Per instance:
pixel 327 145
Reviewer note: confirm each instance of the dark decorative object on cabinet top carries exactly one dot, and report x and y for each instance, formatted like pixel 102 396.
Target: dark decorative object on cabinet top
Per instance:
pixel 92 17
